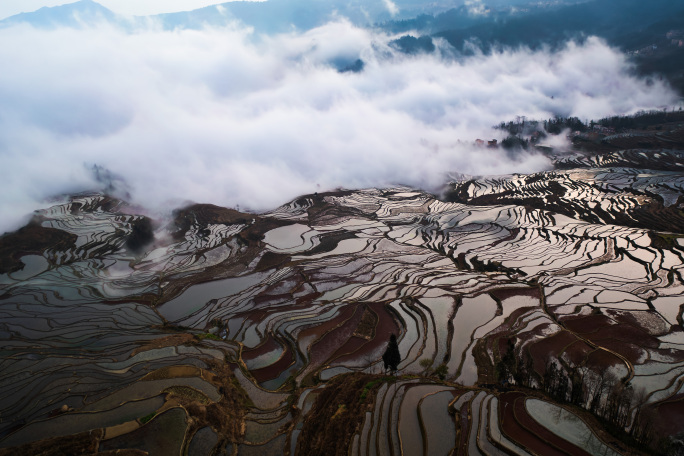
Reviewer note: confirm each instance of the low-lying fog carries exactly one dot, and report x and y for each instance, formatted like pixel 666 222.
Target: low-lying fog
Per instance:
pixel 222 116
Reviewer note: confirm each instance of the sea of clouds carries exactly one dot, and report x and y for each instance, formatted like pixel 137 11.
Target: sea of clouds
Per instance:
pixel 226 117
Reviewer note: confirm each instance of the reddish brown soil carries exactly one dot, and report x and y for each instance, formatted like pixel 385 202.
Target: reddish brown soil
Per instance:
pixel 542 433
pixel 307 299
pixel 175 372
pixel 386 326
pixel 515 315
pixel 349 350
pixel 275 369
pixel 518 433
pixel 266 346
pixel 504 293
pixel 630 318
pixel 550 347
pixel 322 329
pixel 497 342
pixel 600 360
pixel 624 333
pixel 676 355
pixel 633 353
pixel 578 352
pixel 513 234
pixel 671 416
pixel 520 427
pixel 327 345
pixel 587 324
pixel 271 260
pixel 255 316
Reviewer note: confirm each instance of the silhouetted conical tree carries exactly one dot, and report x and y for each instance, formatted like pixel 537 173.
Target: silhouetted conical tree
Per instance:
pixel 392 357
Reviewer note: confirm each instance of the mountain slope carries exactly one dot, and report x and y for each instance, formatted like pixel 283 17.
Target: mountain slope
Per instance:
pixel 615 20
pixel 78 14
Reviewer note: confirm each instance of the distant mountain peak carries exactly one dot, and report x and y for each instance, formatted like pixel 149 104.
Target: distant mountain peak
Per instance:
pixel 80 4
pixel 74 14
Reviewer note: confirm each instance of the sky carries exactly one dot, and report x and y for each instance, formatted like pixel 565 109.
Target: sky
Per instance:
pixel 125 7
pixel 221 116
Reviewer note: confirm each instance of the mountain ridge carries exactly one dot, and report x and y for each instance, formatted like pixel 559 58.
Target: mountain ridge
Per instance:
pixel 77 14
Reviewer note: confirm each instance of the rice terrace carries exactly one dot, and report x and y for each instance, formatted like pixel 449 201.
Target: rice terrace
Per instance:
pixel 521 331
pixel 419 288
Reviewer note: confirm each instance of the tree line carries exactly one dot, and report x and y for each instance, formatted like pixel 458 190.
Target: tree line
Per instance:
pixel 558 124
pixel 616 402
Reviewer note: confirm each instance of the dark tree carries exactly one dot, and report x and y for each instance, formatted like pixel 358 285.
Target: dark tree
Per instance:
pixel 441 371
pixel 411 45
pixel 551 377
pixel 142 234
pixel 526 371
pixel 561 392
pixel 577 395
pixel 515 142
pixel 505 369
pixel 391 358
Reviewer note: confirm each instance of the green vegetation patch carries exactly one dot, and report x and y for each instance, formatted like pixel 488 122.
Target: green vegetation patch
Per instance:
pixel 371 386
pixel 145 419
pixel 663 240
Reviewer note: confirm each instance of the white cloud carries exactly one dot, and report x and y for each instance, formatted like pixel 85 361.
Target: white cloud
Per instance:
pixel 12 7
pixel 219 116
pixel 392 8
pixel 476 7
pixel 125 7
pixel 148 7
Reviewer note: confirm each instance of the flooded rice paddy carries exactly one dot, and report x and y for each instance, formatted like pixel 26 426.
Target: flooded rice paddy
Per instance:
pixel 151 347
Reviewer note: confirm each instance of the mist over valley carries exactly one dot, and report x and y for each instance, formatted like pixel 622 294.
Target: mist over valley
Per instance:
pixel 347 228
